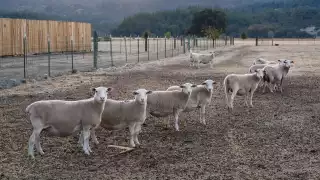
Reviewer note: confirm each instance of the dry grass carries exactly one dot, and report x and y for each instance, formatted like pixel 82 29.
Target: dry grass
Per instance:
pixel 277 139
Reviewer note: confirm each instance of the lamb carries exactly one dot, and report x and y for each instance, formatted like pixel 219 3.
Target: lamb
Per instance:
pixel 200 97
pixel 242 84
pixel 259 66
pixel 63 118
pixel 165 103
pixel 263 61
pixel 201 58
pixel 128 113
pixel 275 74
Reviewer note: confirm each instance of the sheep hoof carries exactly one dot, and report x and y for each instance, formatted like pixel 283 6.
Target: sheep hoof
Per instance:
pixel 31 156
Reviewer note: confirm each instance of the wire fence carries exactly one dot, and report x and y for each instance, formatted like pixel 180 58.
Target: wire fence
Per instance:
pixel 116 51
pixel 277 41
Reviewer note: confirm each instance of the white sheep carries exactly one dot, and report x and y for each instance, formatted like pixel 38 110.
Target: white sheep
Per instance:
pixel 128 113
pixel 276 73
pixel 200 97
pixel 201 58
pixel 165 103
pixel 263 61
pixel 253 68
pixel 242 84
pixel 63 118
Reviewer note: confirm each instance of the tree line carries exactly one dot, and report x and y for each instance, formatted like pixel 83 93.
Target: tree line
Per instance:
pixel 259 20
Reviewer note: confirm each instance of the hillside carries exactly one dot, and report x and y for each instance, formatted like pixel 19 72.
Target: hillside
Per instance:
pixel 284 20
pixel 106 14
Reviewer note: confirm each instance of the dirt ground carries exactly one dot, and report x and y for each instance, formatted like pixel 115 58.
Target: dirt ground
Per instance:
pixel 279 138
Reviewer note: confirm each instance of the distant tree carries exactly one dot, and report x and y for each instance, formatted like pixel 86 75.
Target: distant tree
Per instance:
pixel 212 33
pixel 208 18
pixel 167 34
pixel 243 36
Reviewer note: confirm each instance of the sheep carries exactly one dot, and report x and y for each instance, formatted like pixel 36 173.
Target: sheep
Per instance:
pixel 263 61
pixel 276 73
pixel 63 118
pixel 242 84
pixel 128 113
pixel 200 97
pixel 201 58
pixel 259 66
pixel 165 103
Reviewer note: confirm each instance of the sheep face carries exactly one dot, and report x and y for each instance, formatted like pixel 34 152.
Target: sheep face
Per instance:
pixel 209 84
pixel 260 73
pixel 285 62
pixel 101 94
pixel 187 87
pixel 141 95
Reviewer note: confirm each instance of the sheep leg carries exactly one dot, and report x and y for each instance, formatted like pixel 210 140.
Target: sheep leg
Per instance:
pixel 132 133
pixel 176 117
pixel 202 114
pixel 251 94
pixel 31 144
pixel 233 95
pixel 280 86
pixel 137 131
pixel 37 140
pixel 80 141
pixel 86 136
pixel 245 100
pixel 94 137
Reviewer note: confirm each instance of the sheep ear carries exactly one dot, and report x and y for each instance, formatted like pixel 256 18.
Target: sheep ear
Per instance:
pixel 93 90
pixel 292 61
pixel 182 86
pixel 109 89
pixel 204 83
pixel 256 70
pixel 135 93
pixel 193 85
pixel 149 92
pixel 279 60
pixel 213 82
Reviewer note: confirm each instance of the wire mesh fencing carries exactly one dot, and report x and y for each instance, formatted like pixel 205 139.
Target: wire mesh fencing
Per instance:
pixel 67 56
pixel 119 51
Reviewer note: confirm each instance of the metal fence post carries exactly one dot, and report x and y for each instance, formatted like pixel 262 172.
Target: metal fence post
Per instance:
pixel 138 49
pixel 256 41
pixel 111 50
pixel 120 44
pixel 72 66
pixel 175 43
pixel 184 46
pixel 24 55
pixel 49 57
pixel 130 44
pixel 125 48
pixel 95 49
pixel 148 48
pixel 165 47
pixel 188 44
pixel 157 49
pixel 172 47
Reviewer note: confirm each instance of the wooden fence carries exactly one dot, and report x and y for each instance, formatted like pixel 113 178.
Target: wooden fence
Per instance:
pixel 37 32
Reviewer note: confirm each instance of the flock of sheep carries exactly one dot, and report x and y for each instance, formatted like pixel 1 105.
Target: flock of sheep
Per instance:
pixel 64 118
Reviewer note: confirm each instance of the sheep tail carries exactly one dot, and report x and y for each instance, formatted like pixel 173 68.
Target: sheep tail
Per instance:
pixel 28 109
